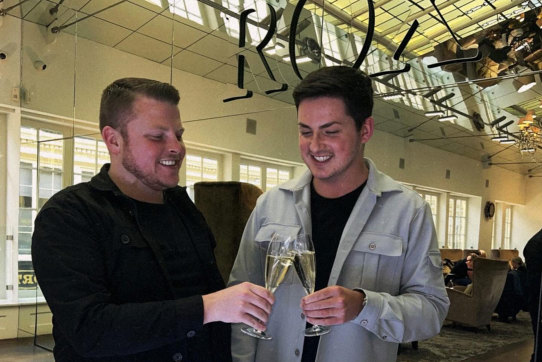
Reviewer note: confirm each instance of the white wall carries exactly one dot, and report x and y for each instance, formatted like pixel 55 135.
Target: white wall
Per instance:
pixel 528 217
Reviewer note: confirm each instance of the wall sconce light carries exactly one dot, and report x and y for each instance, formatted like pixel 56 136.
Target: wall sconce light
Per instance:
pixel 451 117
pixel 435 113
pixel 390 96
pixel 499 138
pixel 272 50
pixel 524 83
pixel 300 59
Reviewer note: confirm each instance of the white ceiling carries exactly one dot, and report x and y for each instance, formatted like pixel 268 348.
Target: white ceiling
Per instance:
pixel 149 31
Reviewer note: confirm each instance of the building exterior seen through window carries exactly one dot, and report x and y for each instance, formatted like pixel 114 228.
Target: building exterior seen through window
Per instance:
pixel 40 176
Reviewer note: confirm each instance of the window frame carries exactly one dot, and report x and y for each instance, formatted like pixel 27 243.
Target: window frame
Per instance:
pixel 451 236
pixel 264 165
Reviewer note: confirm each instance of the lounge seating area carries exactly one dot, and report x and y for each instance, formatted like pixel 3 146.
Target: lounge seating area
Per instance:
pixel 476 309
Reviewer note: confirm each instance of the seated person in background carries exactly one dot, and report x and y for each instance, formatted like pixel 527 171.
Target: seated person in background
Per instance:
pixel 469 261
pixel 513 297
pixel 447 266
pixel 459 275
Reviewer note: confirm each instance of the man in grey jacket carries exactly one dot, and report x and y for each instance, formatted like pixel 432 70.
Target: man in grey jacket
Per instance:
pixel 378 267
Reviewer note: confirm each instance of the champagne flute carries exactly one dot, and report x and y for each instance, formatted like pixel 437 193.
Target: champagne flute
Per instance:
pixel 305 267
pixel 278 260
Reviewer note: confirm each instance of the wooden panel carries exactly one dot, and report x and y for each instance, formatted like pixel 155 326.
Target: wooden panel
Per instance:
pixel 8 322
pixel 27 320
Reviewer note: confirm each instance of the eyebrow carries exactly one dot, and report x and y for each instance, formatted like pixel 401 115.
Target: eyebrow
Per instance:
pixel 325 125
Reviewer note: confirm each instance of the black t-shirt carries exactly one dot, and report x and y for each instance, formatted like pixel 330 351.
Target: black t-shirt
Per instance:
pixel 186 271
pixel 328 217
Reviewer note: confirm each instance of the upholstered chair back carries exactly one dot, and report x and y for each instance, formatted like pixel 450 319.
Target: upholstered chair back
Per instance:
pixel 489 277
pixel 226 207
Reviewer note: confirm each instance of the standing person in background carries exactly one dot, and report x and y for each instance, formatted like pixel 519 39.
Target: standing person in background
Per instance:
pixel 126 261
pixel 533 260
pixel 378 266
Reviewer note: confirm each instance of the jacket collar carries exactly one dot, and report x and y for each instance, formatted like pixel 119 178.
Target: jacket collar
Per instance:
pixel 377 182
pixel 103 182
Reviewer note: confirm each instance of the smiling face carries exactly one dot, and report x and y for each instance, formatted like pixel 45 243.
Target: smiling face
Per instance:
pixel 331 146
pixel 147 155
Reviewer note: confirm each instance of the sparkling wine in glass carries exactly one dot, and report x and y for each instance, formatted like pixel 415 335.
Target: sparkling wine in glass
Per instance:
pixel 278 260
pixel 305 266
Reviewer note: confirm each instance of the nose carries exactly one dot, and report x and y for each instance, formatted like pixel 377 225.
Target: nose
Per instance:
pixel 176 146
pixel 315 142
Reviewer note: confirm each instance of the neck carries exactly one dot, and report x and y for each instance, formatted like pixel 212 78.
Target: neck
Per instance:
pixel 333 188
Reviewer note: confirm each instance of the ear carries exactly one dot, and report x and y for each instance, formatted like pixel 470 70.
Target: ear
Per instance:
pixel 113 140
pixel 367 129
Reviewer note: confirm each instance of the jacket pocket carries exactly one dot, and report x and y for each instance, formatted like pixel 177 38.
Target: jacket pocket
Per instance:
pixel 382 244
pixel 374 263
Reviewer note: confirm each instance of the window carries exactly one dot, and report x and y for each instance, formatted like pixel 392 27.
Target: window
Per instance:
pixel 502 226
pixel 330 44
pixel 188 9
pixel 432 199
pixel 275 177
pixel 265 175
pixel 457 222
pixel 251 174
pixel 507 226
pixel 200 167
pixel 231 23
pixel 88 157
pixel 40 176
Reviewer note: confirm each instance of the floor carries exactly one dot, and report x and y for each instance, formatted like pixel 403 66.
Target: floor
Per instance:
pixel 520 352
pixel 23 349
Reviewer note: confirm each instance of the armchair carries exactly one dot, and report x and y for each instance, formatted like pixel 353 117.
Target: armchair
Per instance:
pixel 226 207
pixel 451 254
pixel 475 310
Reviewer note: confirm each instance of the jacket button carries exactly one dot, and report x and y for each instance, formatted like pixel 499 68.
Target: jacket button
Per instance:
pixel 364 322
pixel 372 246
pixel 297 352
pixel 177 357
pixel 125 239
pixel 191 334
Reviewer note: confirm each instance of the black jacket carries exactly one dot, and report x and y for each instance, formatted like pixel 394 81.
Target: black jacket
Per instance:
pixel 109 291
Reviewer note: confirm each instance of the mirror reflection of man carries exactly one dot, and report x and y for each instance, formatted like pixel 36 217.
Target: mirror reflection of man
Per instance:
pixel 378 267
pixel 126 261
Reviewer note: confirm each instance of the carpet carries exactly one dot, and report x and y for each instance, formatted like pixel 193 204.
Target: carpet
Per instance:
pixel 456 343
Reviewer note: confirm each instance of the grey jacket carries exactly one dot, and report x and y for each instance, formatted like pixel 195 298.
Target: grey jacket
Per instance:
pixel 388 248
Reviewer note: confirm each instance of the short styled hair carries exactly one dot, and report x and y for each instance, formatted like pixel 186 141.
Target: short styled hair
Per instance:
pixel 351 85
pixel 119 96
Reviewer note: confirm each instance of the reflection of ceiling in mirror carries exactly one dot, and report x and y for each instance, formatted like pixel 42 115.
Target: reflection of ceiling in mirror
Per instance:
pixel 202 37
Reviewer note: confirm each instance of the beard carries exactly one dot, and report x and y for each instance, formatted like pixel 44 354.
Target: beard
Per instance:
pixel 147 177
